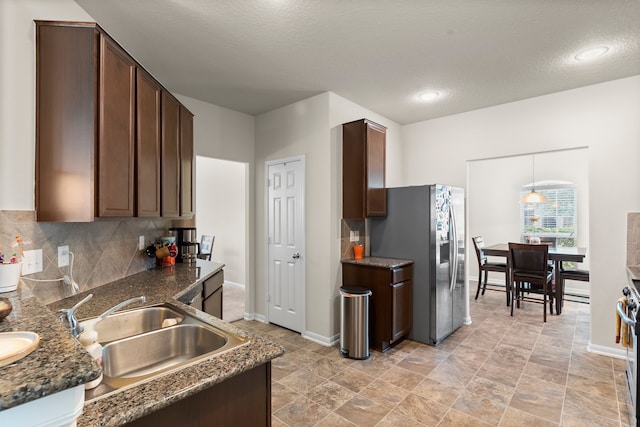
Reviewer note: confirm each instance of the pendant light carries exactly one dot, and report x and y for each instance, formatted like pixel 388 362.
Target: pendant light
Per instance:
pixel 533 196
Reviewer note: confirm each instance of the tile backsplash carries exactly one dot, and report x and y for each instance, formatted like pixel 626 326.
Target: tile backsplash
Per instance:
pixel 104 250
pixel 633 238
pixel 346 245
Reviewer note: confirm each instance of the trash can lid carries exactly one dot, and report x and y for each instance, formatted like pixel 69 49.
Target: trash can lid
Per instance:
pixel 355 290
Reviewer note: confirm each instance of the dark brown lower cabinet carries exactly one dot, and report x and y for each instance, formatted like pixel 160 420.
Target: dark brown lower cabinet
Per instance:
pixel 244 400
pixel 390 303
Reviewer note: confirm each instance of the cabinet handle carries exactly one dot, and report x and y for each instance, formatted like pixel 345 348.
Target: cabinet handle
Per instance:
pixel 296 255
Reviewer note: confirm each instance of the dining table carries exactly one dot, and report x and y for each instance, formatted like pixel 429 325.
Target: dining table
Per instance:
pixel 557 254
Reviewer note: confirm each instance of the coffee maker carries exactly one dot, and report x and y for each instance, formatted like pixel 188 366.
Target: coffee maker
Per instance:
pixel 187 242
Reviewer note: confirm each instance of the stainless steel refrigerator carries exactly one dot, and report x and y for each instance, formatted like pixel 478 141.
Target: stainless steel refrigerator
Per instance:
pixel 426 224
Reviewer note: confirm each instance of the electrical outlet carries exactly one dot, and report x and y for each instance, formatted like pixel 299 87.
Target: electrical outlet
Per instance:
pixel 63 256
pixel 32 262
pixel 141 243
pixel 354 236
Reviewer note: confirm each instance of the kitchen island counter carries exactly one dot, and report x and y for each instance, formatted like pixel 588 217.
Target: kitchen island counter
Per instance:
pixel 158 285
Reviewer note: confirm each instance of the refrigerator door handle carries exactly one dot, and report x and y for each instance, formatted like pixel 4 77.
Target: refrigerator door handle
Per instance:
pixel 454 237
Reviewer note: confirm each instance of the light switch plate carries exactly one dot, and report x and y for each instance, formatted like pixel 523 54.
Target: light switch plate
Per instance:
pixel 354 236
pixel 32 262
pixel 63 256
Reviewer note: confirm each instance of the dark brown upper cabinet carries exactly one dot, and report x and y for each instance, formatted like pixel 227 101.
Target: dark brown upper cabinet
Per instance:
pixel 148 113
pixel 363 169
pixel 116 134
pixel 186 163
pixel 100 130
pixel 170 156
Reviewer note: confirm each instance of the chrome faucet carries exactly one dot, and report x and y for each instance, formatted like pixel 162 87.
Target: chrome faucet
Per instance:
pixel 67 315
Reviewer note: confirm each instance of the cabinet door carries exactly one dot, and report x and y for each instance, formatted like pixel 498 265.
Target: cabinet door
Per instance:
pixel 402 304
pixel 148 95
pixel 170 160
pixel 116 137
pixel 213 304
pixel 376 199
pixel 186 162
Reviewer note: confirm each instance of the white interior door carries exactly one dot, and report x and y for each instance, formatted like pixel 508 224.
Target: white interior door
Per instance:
pixel 286 294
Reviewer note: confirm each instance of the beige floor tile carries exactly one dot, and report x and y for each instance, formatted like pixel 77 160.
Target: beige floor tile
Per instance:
pixel 302 380
pixel 454 418
pixel 281 396
pixel 422 410
pixel 595 387
pixel 384 393
pixel 438 392
pixel 330 395
pixel 396 419
pixel 538 397
pixel 353 379
pixel 301 413
pixel 516 418
pixel 574 416
pixel 362 411
pixel 402 378
pixel 500 370
pixel 334 420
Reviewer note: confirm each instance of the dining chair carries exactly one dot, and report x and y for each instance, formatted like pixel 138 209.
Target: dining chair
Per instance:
pixel 485 266
pixel 530 275
pixel 206 247
pixel 570 274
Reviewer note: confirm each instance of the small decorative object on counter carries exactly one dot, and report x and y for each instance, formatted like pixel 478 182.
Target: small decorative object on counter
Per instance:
pixel 5 307
pixel 358 251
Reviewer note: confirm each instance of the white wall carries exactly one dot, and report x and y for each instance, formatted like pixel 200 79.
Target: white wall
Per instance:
pixel 18 93
pixel 312 128
pixel 221 212
pixel 220 133
pixel 602 117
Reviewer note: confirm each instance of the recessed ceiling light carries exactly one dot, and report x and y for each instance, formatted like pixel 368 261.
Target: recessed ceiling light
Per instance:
pixel 592 53
pixel 431 95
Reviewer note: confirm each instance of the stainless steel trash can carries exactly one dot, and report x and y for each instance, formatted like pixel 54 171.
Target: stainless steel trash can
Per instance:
pixel 354 322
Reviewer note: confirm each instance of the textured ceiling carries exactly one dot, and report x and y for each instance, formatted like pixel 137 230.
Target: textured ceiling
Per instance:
pixel 257 55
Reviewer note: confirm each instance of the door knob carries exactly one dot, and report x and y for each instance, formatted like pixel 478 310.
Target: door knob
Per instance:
pixel 296 255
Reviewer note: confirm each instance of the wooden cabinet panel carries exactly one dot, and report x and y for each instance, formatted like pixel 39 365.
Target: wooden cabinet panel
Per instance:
pixel 116 131
pixel 148 115
pixel 244 400
pixel 401 294
pixel 186 163
pixel 170 156
pixel 66 82
pixel 102 123
pixel 363 169
pixel 390 304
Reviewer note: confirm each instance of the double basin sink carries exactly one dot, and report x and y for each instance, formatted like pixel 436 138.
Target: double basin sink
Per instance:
pixel 144 343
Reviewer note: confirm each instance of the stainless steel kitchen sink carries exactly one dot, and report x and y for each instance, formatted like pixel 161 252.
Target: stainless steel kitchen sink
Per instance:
pixel 128 323
pixel 148 354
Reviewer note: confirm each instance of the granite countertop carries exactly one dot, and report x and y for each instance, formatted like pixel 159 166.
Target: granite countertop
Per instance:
pixel 374 261
pixel 161 285
pixel 58 363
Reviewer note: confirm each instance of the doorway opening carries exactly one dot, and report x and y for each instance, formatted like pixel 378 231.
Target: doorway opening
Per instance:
pixel 222 212
pixel 495 211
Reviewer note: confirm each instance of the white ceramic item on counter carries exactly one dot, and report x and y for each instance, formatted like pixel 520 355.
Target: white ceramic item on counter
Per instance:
pixel 10 276
pixel 16 345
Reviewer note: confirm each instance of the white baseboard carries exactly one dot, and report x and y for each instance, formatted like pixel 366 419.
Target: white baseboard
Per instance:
pixel 257 317
pixel 618 353
pixel 321 339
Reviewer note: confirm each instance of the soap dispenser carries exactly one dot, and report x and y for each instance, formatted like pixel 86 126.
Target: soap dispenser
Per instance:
pixel 89 339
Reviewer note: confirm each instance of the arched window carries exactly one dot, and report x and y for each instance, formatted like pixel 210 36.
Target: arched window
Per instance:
pixel 554 222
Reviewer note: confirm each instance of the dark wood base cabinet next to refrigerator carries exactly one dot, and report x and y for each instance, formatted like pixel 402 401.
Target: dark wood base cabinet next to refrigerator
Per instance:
pixel 390 302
